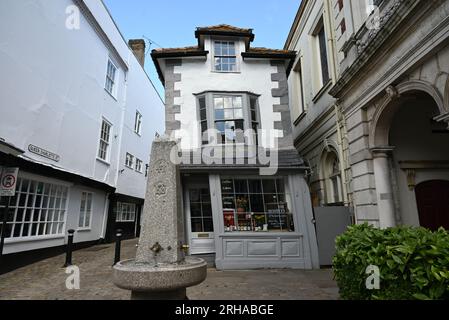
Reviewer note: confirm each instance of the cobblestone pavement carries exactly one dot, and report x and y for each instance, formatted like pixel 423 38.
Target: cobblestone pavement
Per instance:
pixel 46 280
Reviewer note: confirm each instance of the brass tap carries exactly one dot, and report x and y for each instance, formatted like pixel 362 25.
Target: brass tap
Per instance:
pixel 156 248
pixel 185 248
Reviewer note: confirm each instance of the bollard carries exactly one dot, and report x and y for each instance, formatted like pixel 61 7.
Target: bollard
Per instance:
pixel 118 243
pixel 68 257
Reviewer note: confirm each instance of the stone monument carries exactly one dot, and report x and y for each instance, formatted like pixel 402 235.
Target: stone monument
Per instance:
pixel 161 270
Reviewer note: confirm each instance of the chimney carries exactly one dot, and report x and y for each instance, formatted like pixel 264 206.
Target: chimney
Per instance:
pixel 138 48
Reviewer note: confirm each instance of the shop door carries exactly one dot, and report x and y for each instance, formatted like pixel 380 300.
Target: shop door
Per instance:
pixel 432 198
pixel 199 220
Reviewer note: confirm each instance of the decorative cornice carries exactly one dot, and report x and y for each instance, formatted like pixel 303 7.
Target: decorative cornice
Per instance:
pixel 368 42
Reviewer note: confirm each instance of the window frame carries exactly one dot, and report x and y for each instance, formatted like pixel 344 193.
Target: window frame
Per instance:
pixel 119 212
pixel 235 56
pixel 211 119
pixel 107 143
pixel 299 98
pixel 113 90
pixel 285 191
pixel 139 168
pixel 138 123
pixel 49 209
pixel 84 227
pixel 319 80
pixel 129 164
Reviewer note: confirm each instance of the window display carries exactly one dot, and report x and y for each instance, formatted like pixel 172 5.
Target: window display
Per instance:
pixel 256 205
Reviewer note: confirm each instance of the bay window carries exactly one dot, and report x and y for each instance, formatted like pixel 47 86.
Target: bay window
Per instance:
pixel 229 116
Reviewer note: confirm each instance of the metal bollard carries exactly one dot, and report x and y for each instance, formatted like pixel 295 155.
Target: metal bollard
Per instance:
pixel 68 257
pixel 118 243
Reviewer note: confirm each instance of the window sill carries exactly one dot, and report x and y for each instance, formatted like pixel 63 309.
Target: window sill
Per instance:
pixel 84 229
pixel 31 239
pixel 322 90
pixel 103 161
pixel 138 171
pixel 262 234
pixel 231 72
pixel 129 167
pixel 138 134
pixel 125 221
pixel 301 116
pixel 110 94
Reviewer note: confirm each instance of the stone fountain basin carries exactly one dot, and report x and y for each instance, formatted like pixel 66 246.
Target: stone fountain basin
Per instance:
pixel 130 275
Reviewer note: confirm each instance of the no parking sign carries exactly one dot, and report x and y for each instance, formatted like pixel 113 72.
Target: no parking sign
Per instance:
pixel 8 181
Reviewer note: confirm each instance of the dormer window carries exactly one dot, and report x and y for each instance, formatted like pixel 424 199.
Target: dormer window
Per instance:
pixel 225 59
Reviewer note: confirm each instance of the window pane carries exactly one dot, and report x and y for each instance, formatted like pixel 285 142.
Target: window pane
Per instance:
pixel 219 114
pixel 241 186
pixel 255 186
pixel 227 186
pixel 218 103
pixel 256 203
pixel 268 186
pixel 203 114
pixel 208 225
pixel 197 225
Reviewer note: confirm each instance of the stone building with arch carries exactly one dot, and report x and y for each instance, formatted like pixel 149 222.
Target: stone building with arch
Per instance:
pixel 383 116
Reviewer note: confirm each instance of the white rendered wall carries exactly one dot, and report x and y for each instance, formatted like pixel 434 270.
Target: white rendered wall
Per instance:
pixel 141 96
pixel 197 76
pixel 52 92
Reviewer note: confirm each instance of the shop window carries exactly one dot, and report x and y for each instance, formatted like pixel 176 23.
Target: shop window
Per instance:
pixel 256 205
pixel 125 212
pixel 37 210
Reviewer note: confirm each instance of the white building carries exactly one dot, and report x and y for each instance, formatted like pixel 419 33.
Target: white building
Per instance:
pixel 78 103
pixel 236 212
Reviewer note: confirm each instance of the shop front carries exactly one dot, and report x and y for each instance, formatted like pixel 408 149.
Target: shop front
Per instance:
pixel 250 221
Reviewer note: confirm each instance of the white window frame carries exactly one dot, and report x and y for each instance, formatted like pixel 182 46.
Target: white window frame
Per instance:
pixel 111 78
pixel 129 160
pixel 83 213
pixel 139 165
pixel 120 214
pixel 319 82
pixel 298 103
pixel 213 42
pixel 104 142
pixel 46 208
pixel 138 123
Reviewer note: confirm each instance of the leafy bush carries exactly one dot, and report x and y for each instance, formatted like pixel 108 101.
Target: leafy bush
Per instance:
pixel 413 263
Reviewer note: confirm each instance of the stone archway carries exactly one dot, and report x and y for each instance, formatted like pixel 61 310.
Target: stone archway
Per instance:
pixel 409 146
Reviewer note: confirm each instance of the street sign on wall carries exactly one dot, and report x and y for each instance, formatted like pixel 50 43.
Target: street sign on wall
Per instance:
pixel 8 181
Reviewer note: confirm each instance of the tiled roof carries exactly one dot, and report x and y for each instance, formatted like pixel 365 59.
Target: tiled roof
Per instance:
pixel 224 28
pixel 181 49
pixel 287 159
pixel 262 50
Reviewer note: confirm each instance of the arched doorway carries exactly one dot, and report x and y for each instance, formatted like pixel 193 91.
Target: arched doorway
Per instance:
pixel 410 149
pixel 432 198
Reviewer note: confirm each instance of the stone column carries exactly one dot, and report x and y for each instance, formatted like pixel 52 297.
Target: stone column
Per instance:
pixel 384 189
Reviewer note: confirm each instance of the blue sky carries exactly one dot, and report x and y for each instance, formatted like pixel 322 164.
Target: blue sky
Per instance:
pixel 172 23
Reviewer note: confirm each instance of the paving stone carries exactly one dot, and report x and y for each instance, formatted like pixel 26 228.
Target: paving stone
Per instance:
pixel 45 280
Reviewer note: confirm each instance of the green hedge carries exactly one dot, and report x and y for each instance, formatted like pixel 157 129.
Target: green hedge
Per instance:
pixel 413 263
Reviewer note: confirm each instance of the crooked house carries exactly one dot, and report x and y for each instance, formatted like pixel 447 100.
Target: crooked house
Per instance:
pixel 246 202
